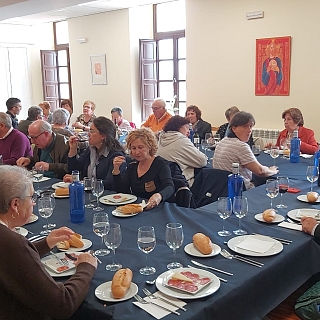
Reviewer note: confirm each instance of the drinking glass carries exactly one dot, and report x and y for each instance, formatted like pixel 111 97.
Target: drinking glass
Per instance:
pixel 224 209
pixel 87 182
pixel 37 173
pixel 256 150
pixel 113 240
pixel 240 209
pixel 216 138
pixel 53 200
pixel 210 143
pixel 312 174
pixel 97 189
pixel 272 189
pixel 284 147
pixel 283 188
pixel 174 239
pixel 146 243
pixel 45 209
pixel 101 228
pixel 204 146
pixel 274 153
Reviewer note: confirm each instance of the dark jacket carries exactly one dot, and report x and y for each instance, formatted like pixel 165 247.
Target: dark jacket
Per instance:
pixel 203 127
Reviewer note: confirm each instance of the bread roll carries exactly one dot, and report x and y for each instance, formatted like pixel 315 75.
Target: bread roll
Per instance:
pixel 268 215
pixel 64 245
pixel 62 192
pixel 130 208
pixel 202 243
pixel 121 282
pixel 312 196
pixel 75 241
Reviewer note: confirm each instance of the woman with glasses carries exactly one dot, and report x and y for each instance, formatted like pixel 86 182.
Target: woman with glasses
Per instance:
pixel 85 119
pixel 27 291
pixel 96 161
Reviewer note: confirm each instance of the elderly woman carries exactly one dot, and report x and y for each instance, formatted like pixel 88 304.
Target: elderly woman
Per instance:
pixel 97 160
pixel 116 115
pixel 174 145
pixel 67 104
pixel 293 120
pixel 27 291
pixel 149 176
pixel 60 118
pixel 47 114
pixel 193 113
pixel 85 119
pixel 234 148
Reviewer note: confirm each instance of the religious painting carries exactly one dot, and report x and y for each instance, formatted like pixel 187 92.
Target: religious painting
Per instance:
pixel 273 66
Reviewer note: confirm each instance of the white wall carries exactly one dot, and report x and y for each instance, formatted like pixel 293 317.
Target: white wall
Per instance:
pixel 221 58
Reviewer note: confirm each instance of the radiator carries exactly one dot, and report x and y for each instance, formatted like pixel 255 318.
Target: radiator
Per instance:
pixel 266 135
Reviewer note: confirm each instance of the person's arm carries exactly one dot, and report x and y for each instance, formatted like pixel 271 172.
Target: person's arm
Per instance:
pixel 122 182
pixel 260 170
pixel 309 145
pixel 18 151
pixel 191 156
pixel 165 178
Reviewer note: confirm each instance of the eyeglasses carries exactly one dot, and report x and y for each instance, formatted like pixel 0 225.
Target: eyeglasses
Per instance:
pixel 33 198
pixel 155 109
pixel 36 137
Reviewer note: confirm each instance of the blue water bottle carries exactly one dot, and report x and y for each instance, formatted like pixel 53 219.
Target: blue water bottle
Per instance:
pixel 191 132
pixel 76 191
pixel 235 182
pixel 295 148
pixel 317 162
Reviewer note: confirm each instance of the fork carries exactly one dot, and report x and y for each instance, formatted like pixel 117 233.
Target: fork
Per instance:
pixel 61 261
pixel 228 255
pixel 152 296
pixel 141 300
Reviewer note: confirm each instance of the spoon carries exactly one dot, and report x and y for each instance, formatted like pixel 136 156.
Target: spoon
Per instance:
pixel 151 281
pixel 92 253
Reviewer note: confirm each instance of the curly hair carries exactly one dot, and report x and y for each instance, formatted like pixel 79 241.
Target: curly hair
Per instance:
pixel 196 110
pixel 175 123
pixel 295 114
pixel 93 105
pixel 146 136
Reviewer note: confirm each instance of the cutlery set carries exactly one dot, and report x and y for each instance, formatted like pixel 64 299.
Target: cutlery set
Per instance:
pixel 283 241
pixel 228 255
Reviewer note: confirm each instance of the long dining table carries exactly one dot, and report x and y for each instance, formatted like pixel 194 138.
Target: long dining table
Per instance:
pixel 249 294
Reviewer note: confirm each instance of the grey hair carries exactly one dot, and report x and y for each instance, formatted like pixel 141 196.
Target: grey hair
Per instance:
pixel 5 119
pixel 230 112
pixel 45 126
pixel 117 109
pixel 160 101
pixel 15 182
pixel 60 116
pixel 34 112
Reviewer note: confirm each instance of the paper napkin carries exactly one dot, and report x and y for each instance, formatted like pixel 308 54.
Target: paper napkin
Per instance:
pixel 306 156
pixel 42 179
pixel 288 225
pixel 256 245
pixel 156 312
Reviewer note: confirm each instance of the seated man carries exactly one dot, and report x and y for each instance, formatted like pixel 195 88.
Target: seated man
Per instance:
pixel 50 152
pixel 159 117
pixel 13 107
pixel 116 115
pixel 34 113
pixel 13 143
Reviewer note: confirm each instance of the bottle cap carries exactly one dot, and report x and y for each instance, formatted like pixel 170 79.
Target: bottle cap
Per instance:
pixel 235 165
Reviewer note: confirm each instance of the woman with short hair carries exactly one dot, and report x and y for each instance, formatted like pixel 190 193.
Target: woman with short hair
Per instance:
pixel 47 114
pixel 85 119
pixel 68 105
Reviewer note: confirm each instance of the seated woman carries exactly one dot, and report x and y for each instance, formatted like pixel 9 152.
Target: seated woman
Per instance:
pixel 86 118
pixel 97 160
pixel 47 114
pixel 174 145
pixel 60 118
pixel 116 115
pixel 27 291
pixel 149 176
pixel 234 148
pixel 193 113
pixel 67 104
pixel 293 120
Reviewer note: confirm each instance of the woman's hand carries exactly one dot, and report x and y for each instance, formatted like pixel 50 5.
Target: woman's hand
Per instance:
pixel 273 170
pixel 73 146
pixel 57 235
pixel 67 178
pixel 154 201
pixel 308 224
pixel 117 162
pixel 87 257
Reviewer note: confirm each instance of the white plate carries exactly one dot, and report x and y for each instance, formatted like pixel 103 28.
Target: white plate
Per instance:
pixel 276 248
pixel 303 198
pixel 22 231
pixel 119 214
pixel 54 274
pixel 278 218
pixel 193 251
pixel 268 151
pixel 103 292
pixel 33 218
pixel 87 244
pixel 206 291
pixel 60 185
pixel 106 199
pixel 60 197
pixel 303 212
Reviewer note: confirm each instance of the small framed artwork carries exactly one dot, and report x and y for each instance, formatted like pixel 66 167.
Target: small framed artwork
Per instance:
pixel 98 69
pixel 273 66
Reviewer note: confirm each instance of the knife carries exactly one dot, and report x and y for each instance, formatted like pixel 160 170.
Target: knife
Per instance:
pixel 70 256
pixel 217 270
pixel 221 279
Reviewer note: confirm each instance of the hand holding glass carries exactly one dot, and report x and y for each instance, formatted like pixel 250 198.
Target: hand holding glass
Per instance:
pixel 224 209
pixel 272 189
pixel 113 240
pixel 312 175
pixel 45 209
pixel 101 228
pixel 283 188
pixel 146 243
pixel 97 189
pixel 240 209
pixel 174 239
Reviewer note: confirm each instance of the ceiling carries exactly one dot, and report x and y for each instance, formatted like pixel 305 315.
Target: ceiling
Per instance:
pixel 30 12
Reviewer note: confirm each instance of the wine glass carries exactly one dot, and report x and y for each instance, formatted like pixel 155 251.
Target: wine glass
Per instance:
pixel 272 189
pixel 312 174
pixel 210 143
pixel 216 138
pixel 53 200
pixel 113 240
pixel 101 228
pixel 283 188
pixel 87 182
pixel 37 173
pixel 146 243
pixel 204 146
pixel 240 209
pixel 283 146
pixel 45 209
pixel 274 153
pixel 97 189
pixel 224 209
pixel 174 239
pixel 256 150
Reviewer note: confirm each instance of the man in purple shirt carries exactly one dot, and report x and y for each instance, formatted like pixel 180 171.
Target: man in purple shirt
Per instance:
pixel 13 143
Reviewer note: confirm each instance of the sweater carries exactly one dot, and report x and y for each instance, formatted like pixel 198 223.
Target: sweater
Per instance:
pixel 156 124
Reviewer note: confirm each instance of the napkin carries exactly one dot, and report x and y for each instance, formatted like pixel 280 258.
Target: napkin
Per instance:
pixel 256 245
pixel 42 179
pixel 306 156
pixel 156 312
pixel 288 225
pixel 64 185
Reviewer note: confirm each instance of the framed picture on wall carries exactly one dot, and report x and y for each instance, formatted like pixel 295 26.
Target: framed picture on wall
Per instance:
pixel 98 69
pixel 273 66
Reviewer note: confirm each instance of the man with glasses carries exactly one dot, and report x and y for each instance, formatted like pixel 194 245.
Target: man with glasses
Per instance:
pixel 34 113
pixel 13 143
pixel 50 151
pixel 13 107
pixel 159 117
